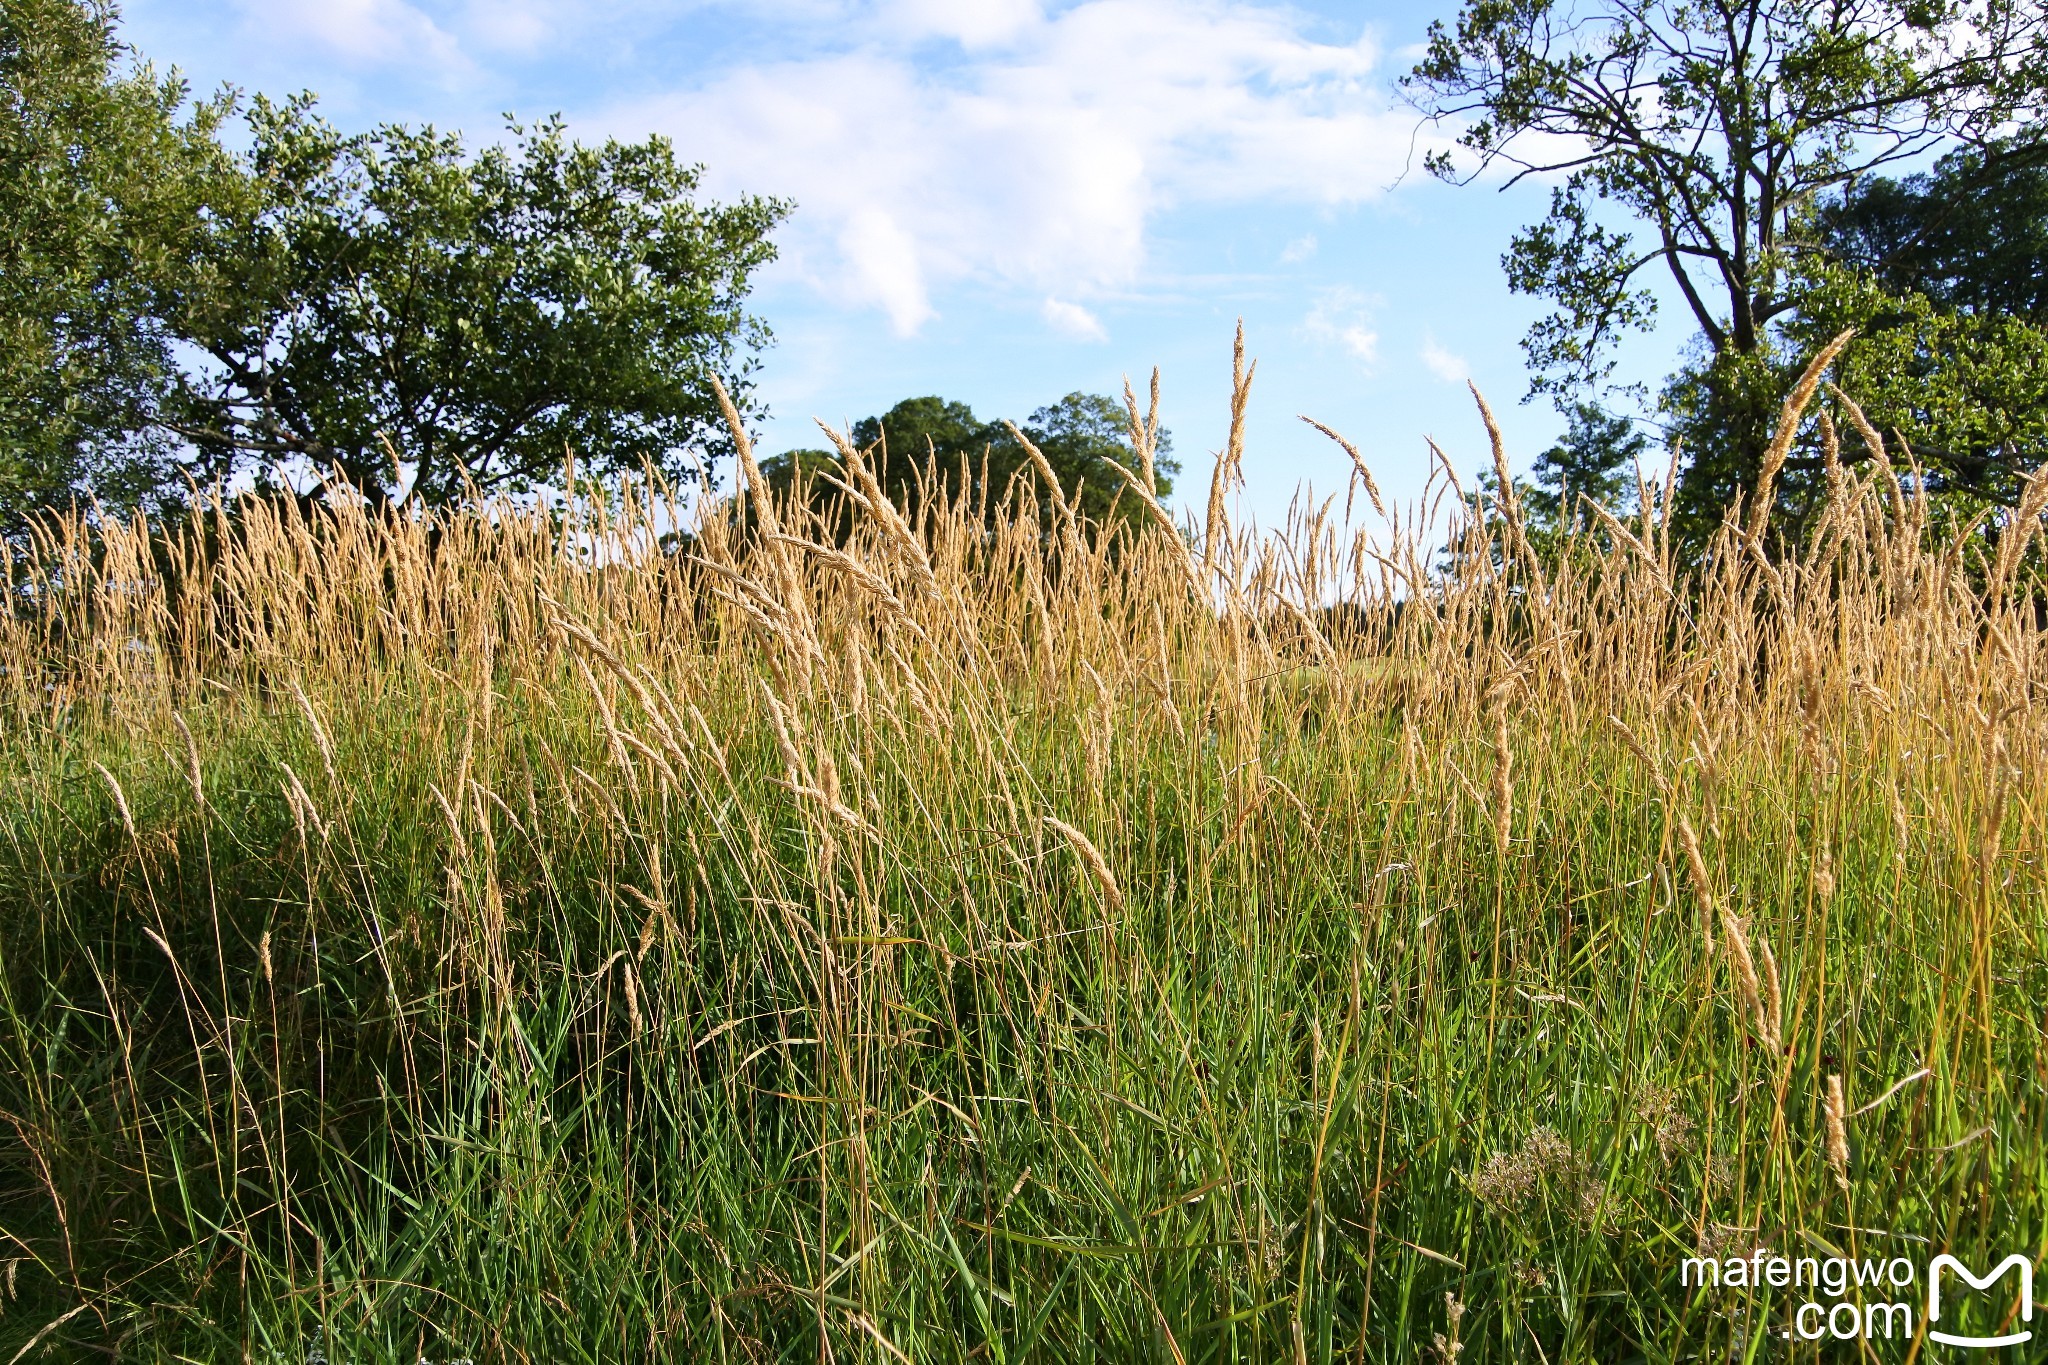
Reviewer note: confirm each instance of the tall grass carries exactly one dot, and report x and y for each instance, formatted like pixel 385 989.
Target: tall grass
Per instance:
pixel 488 936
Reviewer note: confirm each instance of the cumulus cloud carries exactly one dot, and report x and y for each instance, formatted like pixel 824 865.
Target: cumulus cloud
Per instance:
pixel 365 31
pixel 1343 318
pixel 517 26
pixel 1072 320
pixel 1023 144
pixel 883 267
pixel 1298 250
pixel 1037 154
pixel 1445 365
pixel 971 23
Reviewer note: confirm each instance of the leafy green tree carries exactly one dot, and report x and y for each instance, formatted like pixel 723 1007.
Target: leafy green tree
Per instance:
pixel 1944 278
pixel 1716 124
pixel 427 321
pixel 1971 234
pixel 107 176
pixel 918 430
pixel 1968 391
pixel 1082 437
pixel 903 439
pixel 1595 460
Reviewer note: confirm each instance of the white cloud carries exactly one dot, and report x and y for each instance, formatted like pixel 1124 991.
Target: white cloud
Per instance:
pixel 971 23
pixel 1445 365
pixel 1072 320
pixel 367 31
pixel 1298 250
pixel 518 26
pixel 1038 155
pixel 884 268
pixel 1343 317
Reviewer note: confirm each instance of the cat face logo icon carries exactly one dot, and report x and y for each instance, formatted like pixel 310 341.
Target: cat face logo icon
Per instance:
pixel 1946 1262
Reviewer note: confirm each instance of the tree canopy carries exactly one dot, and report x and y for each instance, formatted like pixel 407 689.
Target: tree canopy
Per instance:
pixel 422 318
pixel 1970 233
pixel 1940 276
pixel 1719 125
pixel 1595 460
pixel 1083 438
pixel 427 319
pixel 107 180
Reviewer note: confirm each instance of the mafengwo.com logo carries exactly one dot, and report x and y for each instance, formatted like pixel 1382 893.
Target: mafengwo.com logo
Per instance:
pixel 1867 1299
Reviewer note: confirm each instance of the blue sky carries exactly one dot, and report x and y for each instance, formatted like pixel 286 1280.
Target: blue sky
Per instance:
pixel 1003 201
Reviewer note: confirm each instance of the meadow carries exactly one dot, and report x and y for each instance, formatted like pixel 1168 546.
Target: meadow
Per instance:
pixel 506 935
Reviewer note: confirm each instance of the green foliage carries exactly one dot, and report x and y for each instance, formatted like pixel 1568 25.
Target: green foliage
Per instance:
pixel 919 427
pixel 387 305
pixel 1941 277
pixel 471 318
pixel 1944 276
pixel 107 177
pixel 1969 390
pixel 1595 461
pixel 1083 438
pixel 1589 270
pixel 1720 405
pixel 1971 234
pixel 1716 127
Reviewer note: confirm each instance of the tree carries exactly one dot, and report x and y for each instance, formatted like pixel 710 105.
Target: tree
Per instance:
pixel 1082 436
pixel 1968 390
pixel 429 323
pixel 1971 233
pixel 918 430
pixel 1944 278
pixel 1718 124
pixel 107 178
pixel 1595 460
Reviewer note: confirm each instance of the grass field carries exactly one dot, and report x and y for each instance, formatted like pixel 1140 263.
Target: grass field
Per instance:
pixel 428 939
